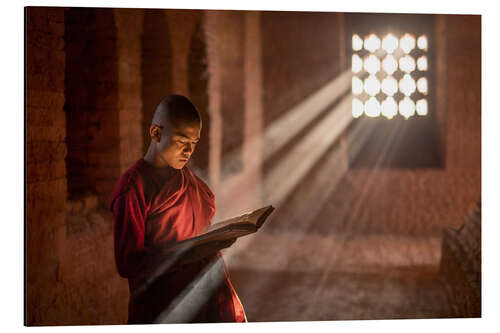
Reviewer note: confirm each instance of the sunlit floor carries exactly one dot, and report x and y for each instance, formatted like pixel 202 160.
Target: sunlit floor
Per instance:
pixel 299 275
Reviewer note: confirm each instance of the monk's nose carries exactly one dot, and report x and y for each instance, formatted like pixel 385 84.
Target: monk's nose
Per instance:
pixel 188 148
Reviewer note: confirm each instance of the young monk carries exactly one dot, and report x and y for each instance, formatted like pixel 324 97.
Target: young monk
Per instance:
pixel 156 203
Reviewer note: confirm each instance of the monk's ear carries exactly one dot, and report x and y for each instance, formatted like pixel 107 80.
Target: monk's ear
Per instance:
pixel 155 132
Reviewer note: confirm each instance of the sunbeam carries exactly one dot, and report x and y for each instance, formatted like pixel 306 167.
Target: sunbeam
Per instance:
pixel 334 256
pixel 288 126
pixel 185 306
pixel 293 167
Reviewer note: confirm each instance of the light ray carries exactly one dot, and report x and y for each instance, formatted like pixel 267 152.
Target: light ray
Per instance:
pixel 335 257
pixel 315 144
pixel 186 306
pixel 279 133
pixel 285 128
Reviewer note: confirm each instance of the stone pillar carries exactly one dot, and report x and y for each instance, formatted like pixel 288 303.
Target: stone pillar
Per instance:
pixel 225 31
pixel 343 140
pixel 181 25
pixel 129 48
pixel 215 135
pixel 463 55
pixel 198 94
pixel 252 147
pixel 440 75
pixel 156 66
pixel 92 102
pixel 235 106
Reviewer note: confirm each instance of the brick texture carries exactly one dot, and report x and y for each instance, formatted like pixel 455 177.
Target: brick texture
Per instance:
pixel 226 31
pixel 460 267
pixel 198 92
pixel 156 66
pixel 129 24
pixel 299 54
pixel 45 158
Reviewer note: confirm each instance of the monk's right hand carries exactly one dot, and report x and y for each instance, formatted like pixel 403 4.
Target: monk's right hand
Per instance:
pixel 204 250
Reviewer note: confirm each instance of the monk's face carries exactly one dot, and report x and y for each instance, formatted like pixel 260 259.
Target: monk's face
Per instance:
pixel 178 142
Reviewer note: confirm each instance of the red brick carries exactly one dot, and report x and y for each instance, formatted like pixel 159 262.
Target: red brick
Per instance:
pixel 45 171
pixel 45 151
pixel 45 102
pixel 53 192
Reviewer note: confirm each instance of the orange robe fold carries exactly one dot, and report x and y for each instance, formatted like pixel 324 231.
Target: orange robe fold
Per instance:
pixel 152 212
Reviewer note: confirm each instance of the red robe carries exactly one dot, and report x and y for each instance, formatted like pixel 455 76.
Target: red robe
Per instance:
pixel 151 212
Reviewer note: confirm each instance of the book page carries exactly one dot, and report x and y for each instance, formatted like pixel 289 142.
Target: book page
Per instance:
pixel 252 217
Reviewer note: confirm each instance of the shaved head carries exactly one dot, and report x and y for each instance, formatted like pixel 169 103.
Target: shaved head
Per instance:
pixel 175 110
pixel 174 132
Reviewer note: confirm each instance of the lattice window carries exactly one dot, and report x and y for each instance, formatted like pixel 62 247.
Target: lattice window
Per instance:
pixel 390 75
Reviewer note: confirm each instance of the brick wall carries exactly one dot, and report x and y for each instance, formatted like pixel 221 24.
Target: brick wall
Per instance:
pixel 198 93
pixel 180 39
pixel 463 77
pixel 83 89
pixel 460 266
pixel 226 32
pixel 300 53
pixel 129 23
pixel 174 61
pixel 461 249
pixel 45 153
pixel 156 66
pixel 91 290
pixel 85 96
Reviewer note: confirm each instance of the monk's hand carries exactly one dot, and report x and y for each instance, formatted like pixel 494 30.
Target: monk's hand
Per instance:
pixel 212 247
pixel 223 244
pixel 207 249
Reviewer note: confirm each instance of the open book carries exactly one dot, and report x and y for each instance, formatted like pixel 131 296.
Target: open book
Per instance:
pixel 235 227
